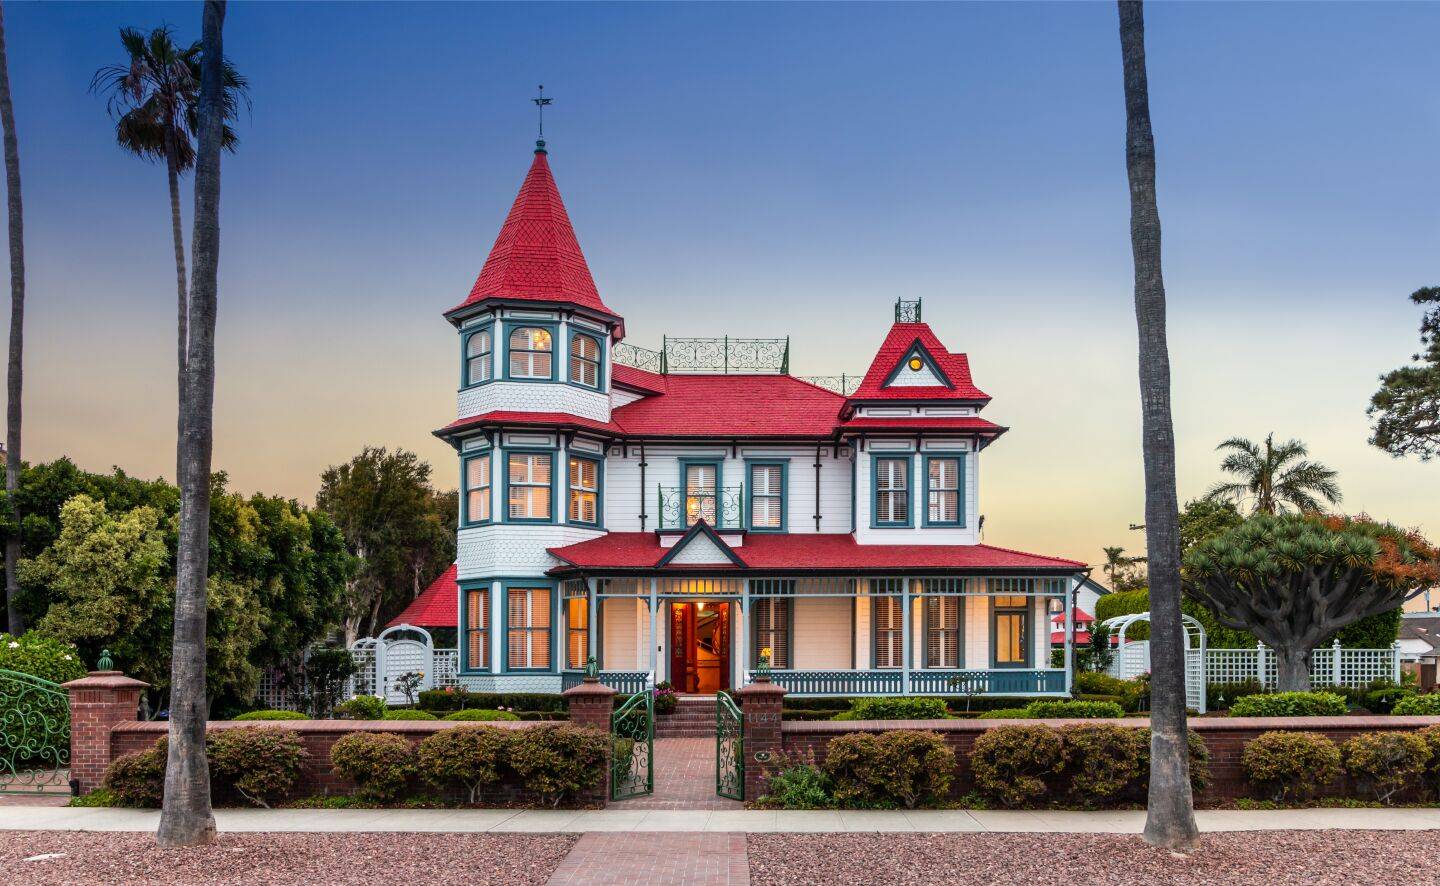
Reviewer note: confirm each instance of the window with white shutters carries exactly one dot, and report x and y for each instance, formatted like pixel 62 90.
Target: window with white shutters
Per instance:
pixel 767 496
pixel 942 491
pixel 584 491
pixel 530 352
pixel 887 615
pixel 527 635
pixel 892 492
pixel 478 348
pixel 942 631
pixel 529 485
pixel 772 630
pixel 701 482
pixel 585 360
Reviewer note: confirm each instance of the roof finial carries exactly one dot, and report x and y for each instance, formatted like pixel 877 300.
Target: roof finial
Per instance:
pixel 540 102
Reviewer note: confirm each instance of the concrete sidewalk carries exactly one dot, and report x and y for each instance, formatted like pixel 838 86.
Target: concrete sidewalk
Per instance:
pixel 19 818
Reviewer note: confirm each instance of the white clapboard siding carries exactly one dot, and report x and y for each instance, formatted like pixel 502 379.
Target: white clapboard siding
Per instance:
pixel 977 631
pixel 625 623
pixel 917 533
pixel 819 630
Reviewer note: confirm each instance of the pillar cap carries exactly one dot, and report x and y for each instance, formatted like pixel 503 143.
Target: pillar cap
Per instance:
pixel 760 688
pixel 105 680
pixel 596 690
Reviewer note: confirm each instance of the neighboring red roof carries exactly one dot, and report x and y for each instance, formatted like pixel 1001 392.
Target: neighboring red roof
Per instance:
pixel 733 405
pixel 896 346
pixel 537 257
pixel 546 419
pixel 642 550
pixel 436 607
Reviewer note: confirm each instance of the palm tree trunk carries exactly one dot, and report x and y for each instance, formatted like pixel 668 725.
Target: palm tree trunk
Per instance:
pixel 177 236
pixel 14 381
pixel 1171 818
pixel 186 818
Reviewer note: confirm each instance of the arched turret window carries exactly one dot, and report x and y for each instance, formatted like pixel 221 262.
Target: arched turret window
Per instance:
pixel 530 352
pixel 585 360
pixel 478 350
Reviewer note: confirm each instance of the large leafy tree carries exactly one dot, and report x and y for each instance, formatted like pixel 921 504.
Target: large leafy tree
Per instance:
pixel 1294 580
pixel 1406 409
pixel 14 377
pixel 154 97
pixel 1170 820
pixel 398 528
pixel 1271 477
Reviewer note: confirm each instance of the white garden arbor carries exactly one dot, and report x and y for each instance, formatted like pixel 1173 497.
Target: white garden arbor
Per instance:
pixel 397 651
pixel 1133 659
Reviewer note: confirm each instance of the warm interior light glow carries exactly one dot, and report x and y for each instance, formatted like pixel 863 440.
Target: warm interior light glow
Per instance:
pixel 915 364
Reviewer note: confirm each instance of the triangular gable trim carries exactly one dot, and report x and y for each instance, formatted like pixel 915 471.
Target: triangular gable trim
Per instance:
pixel 701 528
pixel 917 349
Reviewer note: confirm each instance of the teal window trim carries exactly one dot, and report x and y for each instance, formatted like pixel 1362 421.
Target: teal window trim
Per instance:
pixel 1027 642
pixel 555 614
pixel 719 464
pixel 599 338
pixel 784 465
pixel 960 504
pixel 465 519
pixel 513 326
pixel 909 459
pixel 599 463
pixel 555 487
pixel 465 587
pixel 917 349
pixel 465 336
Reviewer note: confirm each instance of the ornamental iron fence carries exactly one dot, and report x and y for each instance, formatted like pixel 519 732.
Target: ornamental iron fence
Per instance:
pixel 722 508
pixel 710 356
pixel 34 735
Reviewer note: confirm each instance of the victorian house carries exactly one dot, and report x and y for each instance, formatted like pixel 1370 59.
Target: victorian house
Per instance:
pixel 696 512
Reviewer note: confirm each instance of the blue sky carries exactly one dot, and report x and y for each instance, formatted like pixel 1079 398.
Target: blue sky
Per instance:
pixel 758 169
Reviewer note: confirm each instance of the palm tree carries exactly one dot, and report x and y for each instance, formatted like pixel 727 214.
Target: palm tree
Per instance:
pixel 15 374
pixel 1274 476
pixel 1170 819
pixel 186 818
pixel 1116 566
pixel 152 97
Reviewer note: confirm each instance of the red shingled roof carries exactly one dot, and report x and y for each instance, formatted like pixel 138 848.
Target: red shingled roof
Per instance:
pixel 435 607
pixel 733 405
pixel 640 379
pixel 642 550
pixel 896 346
pixel 537 257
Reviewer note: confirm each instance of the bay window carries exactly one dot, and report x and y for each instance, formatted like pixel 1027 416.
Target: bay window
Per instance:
pixel 585 360
pixel 577 631
pixel 529 479
pixel 584 491
pixel 477 489
pixel 530 352
pixel 527 629
pixel 477 629
pixel 479 348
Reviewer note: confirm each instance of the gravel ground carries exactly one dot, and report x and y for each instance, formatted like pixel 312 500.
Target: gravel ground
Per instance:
pixel 283 858
pixel 1270 858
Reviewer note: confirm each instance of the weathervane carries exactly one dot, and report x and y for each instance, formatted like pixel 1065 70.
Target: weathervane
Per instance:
pixel 540 104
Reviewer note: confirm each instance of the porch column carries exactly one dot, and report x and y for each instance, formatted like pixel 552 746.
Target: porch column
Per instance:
pixel 906 623
pixel 1072 589
pixel 654 632
pixel 742 639
pixel 592 604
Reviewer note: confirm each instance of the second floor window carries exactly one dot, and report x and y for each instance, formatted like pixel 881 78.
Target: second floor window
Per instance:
pixel 942 491
pixel 767 498
pixel 584 491
pixel 585 360
pixel 530 352
pixel 529 479
pixel 701 482
pixel 477 489
pixel 892 492
pixel 478 348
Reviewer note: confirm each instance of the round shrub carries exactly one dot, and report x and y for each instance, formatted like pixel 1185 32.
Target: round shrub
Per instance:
pixel 481 714
pixel 409 714
pixel 470 756
pixel 902 767
pixel 271 715
pixel 896 708
pixel 1199 762
pixel 378 762
pixel 1005 714
pixel 556 761
pixel 1418 706
pixel 1062 709
pixel 363 707
pixel 1100 761
pixel 1290 765
pixel 1289 704
pixel 40 655
pixel 262 763
pixel 138 778
pixel 1384 763
pixel 1013 765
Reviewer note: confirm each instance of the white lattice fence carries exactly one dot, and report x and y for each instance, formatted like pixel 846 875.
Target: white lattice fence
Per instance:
pixel 447 668
pixel 1329 666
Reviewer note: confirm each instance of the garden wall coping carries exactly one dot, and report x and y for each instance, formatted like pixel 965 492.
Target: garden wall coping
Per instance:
pixel 1197 724
pixel 161 727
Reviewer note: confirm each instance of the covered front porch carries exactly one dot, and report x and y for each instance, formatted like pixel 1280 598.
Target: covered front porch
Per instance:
pixel 833 635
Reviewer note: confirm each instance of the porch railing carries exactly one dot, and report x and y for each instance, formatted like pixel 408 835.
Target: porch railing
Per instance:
pixel 722 509
pixel 979 682
pixel 623 682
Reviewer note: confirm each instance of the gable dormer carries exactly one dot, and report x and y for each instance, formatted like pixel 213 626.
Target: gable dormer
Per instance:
pixel 913 367
pixel 917 369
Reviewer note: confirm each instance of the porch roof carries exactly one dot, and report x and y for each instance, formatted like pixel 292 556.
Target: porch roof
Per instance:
pixel 832 552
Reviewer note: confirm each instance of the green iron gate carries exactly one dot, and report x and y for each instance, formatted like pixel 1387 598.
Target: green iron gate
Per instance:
pixel 632 747
pixel 729 748
pixel 34 735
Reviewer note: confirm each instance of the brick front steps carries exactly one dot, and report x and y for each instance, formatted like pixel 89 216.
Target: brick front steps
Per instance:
pixel 694 717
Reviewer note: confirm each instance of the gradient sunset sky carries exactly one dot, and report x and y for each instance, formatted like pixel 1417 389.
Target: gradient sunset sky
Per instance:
pixel 760 170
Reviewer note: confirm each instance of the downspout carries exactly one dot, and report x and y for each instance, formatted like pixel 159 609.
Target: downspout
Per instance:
pixel 817 486
pixel 643 464
pixel 1070 600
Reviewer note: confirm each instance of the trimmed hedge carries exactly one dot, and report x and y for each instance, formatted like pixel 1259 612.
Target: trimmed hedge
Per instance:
pixel 378 762
pixel 1290 704
pixel 261 763
pixel 478 714
pixel 441 701
pixel 901 768
pixel 1385 763
pixel 1063 709
pixel 1418 705
pixel 363 707
pixel 138 778
pixel 557 761
pixel 409 714
pixel 1292 764
pixel 1014 765
pixel 272 715
pixel 470 756
pixel 894 708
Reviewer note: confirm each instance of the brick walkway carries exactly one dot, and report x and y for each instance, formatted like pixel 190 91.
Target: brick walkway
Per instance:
pixel 684 777
pixel 676 859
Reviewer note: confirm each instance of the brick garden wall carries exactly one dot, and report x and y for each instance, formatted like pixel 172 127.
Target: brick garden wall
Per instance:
pixel 1224 737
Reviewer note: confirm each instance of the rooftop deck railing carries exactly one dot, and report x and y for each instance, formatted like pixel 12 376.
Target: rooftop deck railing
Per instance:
pixel 719 356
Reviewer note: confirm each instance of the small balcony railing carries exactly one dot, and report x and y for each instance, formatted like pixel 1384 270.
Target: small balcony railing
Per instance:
pixel 722 508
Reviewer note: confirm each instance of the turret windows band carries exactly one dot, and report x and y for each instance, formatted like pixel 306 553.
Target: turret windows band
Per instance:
pixel 585 361
pixel 530 356
pixel 478 348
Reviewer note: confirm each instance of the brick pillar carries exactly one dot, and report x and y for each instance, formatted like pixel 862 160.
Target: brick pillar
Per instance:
pixel 590 705
pixel 97 703
pixel 760 702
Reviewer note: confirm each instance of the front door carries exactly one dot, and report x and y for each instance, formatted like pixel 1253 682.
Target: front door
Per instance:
pixel 700 646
